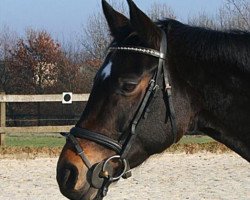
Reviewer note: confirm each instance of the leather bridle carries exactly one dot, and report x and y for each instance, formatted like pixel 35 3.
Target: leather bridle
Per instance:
pixel 101 173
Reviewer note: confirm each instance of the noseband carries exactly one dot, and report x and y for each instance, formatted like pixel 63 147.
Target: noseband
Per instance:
pixel 101 173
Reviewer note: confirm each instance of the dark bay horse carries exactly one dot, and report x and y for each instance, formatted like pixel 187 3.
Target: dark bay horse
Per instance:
pixel 157 82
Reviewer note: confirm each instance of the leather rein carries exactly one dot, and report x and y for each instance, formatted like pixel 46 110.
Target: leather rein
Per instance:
pixel 101 173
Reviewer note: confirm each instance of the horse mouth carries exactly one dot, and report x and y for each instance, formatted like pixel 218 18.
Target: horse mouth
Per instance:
pixel 89 194
pixel 92 193
pixel 67 188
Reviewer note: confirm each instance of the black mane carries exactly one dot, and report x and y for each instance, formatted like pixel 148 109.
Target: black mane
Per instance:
pixel 203 57
pixel 230 48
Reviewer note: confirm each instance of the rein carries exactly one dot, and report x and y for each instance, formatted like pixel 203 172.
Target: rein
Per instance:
pixel 101 173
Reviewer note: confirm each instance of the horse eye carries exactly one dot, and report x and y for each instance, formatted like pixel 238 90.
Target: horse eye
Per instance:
pixel 128 87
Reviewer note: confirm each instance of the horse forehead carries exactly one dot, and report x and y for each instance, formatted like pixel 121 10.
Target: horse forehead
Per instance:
pixel 121 66
pixel 106 70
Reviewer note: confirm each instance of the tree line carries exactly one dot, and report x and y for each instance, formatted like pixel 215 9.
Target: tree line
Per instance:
pixel 38 64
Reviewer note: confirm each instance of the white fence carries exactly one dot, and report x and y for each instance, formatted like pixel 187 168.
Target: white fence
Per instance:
pixel 5 98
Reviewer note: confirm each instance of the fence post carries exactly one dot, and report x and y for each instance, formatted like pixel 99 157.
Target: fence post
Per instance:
pixel 2 120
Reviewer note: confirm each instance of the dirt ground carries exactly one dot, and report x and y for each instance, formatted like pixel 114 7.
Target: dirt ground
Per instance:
pixel 167 176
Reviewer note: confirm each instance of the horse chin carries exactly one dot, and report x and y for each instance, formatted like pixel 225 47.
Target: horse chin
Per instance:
pixel 89 194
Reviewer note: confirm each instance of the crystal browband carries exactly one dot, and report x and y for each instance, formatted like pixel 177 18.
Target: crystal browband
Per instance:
pixel 147 51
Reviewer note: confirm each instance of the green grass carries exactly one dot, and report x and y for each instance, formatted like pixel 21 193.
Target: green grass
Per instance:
pixel 188 139
pixel 34 141
pixel 57 141
pixel 34 144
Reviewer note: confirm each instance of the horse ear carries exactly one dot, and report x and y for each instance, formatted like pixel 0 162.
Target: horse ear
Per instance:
pixel 143 25
pixel 118 23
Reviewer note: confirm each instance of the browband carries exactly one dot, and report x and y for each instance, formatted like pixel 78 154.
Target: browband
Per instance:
pixel 143 50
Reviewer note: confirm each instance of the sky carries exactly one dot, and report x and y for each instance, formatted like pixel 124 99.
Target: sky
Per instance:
pixel 66 18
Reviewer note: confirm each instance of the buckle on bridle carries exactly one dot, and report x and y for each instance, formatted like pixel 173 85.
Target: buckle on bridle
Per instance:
pixel 151 81
pixel 168 87
pixel 156 87
pixel 104 173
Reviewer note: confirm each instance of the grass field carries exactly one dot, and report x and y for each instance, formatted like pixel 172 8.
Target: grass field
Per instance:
pixel 58 141
pixel 34 141
pixel 52 144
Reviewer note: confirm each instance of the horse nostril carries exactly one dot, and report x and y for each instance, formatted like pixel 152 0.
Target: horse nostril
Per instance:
pixel 67 177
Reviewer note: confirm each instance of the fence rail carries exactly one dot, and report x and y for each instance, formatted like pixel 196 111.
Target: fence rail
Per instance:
pixel 36 129
pixel 5 98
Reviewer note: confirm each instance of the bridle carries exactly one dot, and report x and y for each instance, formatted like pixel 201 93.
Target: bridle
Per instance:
pixel 101 173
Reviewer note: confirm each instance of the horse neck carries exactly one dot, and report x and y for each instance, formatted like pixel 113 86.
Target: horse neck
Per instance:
pixel 199 56
pixel 207 66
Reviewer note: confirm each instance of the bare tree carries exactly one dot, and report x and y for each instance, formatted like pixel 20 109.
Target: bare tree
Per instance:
pixel 8 40
pixel 235 15
pixel 232 15
pixel 203 20
pixel 96 36
pixel 160 11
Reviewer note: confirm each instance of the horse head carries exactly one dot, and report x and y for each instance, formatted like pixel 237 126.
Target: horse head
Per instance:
pixel 114 132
